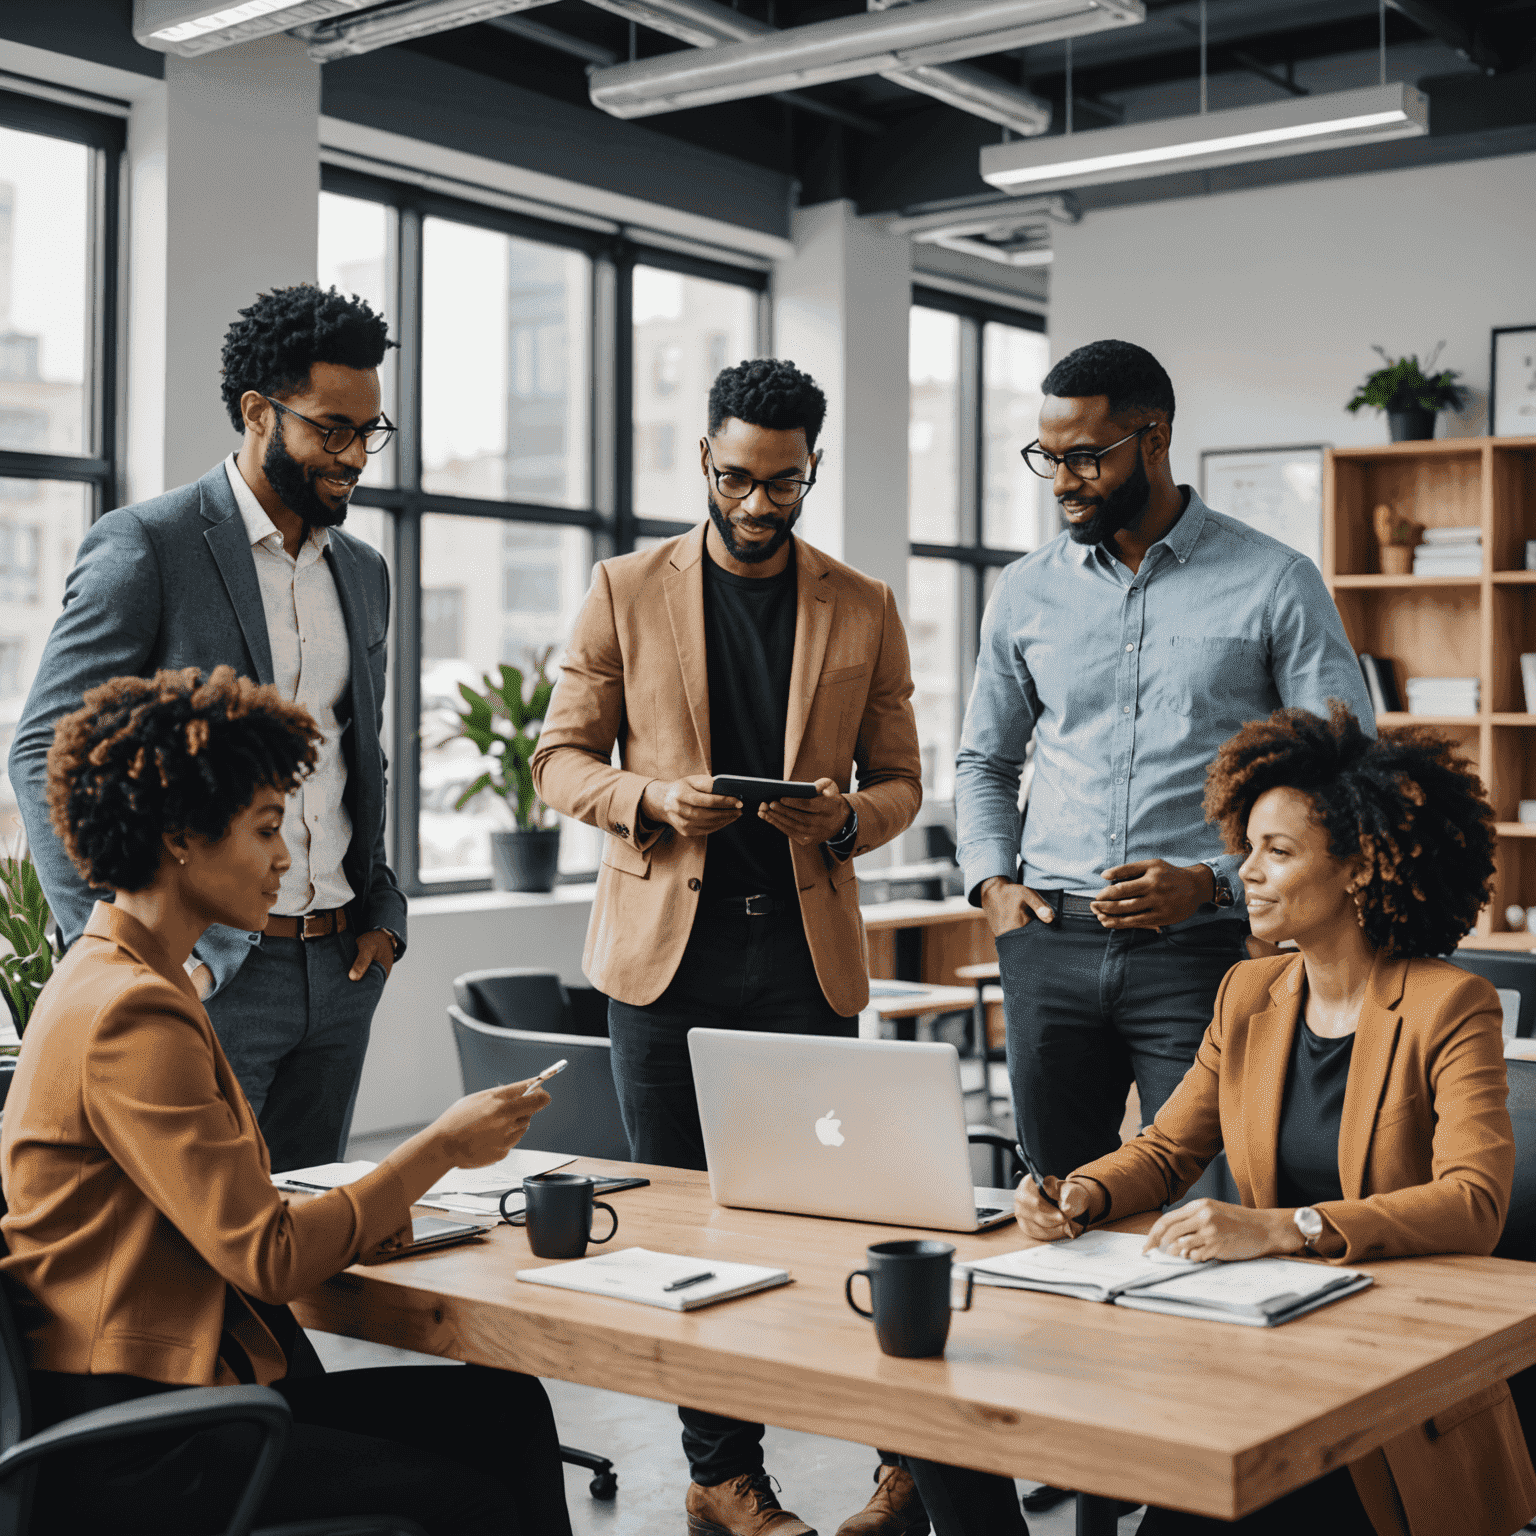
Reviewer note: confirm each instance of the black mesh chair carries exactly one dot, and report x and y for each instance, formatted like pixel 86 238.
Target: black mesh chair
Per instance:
pixel 582 1117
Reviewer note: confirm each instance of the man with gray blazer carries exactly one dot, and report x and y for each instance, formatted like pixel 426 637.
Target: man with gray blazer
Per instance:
pixel 249 566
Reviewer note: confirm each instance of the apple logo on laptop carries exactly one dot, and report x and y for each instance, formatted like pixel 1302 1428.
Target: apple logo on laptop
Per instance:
pixel 827 1132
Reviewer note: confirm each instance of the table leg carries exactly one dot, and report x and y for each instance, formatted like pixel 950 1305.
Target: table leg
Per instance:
pixel 1096 1515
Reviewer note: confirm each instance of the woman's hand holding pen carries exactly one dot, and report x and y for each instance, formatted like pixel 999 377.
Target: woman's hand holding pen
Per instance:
pixel 1060 1212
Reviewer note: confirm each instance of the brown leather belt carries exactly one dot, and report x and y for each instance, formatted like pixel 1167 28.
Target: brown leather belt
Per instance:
pixel 313 925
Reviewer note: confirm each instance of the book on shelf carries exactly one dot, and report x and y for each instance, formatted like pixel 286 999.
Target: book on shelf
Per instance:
pixel 1381 683
pixel 1444 695
pixel 1448 565
pixel 1453 537
pixel 1528 678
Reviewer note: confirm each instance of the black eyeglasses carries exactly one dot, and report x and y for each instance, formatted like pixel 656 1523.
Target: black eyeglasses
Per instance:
pixel 339 439
pixel 1083 462
pixel 734 485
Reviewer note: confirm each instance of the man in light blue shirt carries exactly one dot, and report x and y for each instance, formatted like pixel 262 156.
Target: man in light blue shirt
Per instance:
pixel 1128 649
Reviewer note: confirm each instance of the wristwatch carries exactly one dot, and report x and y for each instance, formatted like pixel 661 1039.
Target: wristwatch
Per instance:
pixel 1222 895
pixel 395 939
pixel 1310 1225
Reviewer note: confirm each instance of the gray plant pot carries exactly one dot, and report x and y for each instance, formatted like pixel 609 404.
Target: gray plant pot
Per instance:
pixel 525 860
pixel 1411 426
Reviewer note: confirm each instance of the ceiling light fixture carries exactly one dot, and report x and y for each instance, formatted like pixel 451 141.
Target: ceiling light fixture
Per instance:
pixel 400 23
pixel 192 27
pixel 902 38
pixel 1011 232
pixel 1300 126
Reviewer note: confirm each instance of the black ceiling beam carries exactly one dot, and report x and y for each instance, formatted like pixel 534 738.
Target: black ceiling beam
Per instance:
pixel 1245 60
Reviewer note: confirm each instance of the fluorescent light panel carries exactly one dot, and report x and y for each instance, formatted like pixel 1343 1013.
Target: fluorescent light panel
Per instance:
pixel 933 32
pixel 400 23
pixel 191 27
pixel 1301 126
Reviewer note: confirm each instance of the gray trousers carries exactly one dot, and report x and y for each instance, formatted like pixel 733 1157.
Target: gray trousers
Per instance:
pixel 295 1030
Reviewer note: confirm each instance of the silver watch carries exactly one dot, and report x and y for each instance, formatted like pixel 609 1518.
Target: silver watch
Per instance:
pixel 1309 1224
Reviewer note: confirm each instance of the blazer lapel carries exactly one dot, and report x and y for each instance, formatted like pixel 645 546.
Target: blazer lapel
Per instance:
pixel 231 551
pixel 683 589
pixel 1370 1061
pixel 344 577
pixel 1271 1037
pixel 814 609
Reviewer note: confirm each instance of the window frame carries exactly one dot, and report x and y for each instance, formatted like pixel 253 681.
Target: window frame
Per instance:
pixel 969 552
pixel 609 515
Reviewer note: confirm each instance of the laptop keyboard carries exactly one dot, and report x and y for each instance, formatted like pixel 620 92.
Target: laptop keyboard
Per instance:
pixel 988 1212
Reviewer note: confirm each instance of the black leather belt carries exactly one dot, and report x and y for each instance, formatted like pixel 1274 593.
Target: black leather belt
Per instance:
pixel 746 906
pixel 1077 906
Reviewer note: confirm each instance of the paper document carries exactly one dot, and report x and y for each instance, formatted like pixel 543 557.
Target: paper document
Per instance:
pixel 486 1183
pixel 323 1175
pixel 1260 1293
pixel 1094 1267
pixel 638 1274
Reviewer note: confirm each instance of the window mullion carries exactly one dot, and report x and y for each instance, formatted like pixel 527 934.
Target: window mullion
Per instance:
pixel 606 423
pixel 624 399
pixel 968 432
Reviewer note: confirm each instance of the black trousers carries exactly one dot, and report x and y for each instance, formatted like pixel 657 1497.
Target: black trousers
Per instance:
pixel 736 973
pixel 1092 1009
pixel 463 1451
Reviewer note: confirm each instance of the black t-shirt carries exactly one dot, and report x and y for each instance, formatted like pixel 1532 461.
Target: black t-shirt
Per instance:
pixel 749 634
pixel 1309 1122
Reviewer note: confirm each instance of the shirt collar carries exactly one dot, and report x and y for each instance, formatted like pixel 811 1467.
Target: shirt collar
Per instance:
pixel 258 526
pixel 1180 539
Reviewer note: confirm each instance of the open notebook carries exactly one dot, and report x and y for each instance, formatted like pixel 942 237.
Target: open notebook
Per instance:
pixel 638 1274
pixel 472 1191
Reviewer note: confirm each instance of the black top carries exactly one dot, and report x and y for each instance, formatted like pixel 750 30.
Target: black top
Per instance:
pixel 749 636
pixel 1309 1121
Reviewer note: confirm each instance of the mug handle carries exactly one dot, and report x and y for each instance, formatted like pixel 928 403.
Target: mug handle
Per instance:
pixel 970 1288
pixel 598 1205
pixel 848 1291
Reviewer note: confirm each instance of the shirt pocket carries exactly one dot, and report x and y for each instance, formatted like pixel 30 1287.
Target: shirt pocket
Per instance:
pixel 1212 674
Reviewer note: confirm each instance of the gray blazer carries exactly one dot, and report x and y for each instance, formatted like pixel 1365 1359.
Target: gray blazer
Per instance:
pixel 171 582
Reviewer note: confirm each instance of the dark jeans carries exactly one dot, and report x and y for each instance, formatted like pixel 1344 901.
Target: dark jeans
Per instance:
pixel 965 1503
pixel 1328 1507
pixel 736 973
pixel 462 1451
pixel 1091 1009
pixel 295 1029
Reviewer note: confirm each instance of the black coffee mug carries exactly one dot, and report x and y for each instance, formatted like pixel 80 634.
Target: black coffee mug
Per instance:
pixel 558 1214
pixel 912 1286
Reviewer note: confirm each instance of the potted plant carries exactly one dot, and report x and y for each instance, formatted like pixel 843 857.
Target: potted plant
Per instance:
pixel 24 919
pixel 504 724
pixel 1410 395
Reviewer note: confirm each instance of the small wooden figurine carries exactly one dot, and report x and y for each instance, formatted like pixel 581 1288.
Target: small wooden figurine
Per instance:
pixel 1396 535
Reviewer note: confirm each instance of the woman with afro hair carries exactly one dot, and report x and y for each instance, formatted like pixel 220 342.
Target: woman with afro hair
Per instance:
pixel 147 1246
pixel 1357 1085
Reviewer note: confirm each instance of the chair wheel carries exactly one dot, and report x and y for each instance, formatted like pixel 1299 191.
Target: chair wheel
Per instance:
pixel 604 1486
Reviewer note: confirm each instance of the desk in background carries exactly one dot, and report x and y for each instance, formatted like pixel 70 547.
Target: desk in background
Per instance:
pixel 930 941
pixel 1212 1418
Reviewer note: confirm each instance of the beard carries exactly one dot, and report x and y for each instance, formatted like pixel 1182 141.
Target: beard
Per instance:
pixel 1118 510
pixel 296 486
pixel 752 554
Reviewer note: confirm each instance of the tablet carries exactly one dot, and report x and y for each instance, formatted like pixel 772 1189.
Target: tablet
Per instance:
pixel 429 1232
pixel 756 791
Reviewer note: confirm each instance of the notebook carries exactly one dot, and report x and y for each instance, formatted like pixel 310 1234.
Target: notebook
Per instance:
pixel 472 1191
pixel 1097 1266
pixel 638 1274
pixel 1259 1293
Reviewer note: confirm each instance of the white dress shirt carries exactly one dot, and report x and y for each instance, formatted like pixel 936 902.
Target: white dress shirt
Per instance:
pixel 311 665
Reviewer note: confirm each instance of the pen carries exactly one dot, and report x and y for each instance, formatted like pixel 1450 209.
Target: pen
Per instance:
pixel 1034 1173
pixel 683 1284
pixel 296 1184
pixel 545 1076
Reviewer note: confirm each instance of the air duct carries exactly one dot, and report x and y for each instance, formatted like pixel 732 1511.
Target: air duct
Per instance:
pixel 904 38
pixel 192 27
pixel 400 23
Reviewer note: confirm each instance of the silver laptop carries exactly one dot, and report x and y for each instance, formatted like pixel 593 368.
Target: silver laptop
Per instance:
pixel 865 1130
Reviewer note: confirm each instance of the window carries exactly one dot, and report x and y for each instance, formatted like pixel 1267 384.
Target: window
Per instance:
pixel 547 385
pixel 975 372
pixel 58 322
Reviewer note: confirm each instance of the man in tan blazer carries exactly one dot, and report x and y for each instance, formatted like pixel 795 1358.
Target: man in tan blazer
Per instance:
pixel 734 649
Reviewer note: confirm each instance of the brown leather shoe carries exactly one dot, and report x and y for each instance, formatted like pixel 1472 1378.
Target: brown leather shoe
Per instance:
pixel 895 1509
pixel 741 1506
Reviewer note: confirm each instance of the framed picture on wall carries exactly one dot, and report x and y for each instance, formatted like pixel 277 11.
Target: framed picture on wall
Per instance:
pixel 1512 382
pixel 1279 491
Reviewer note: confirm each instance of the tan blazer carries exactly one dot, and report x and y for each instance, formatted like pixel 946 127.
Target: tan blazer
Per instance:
pixel 139 1186
pixel 636 674
pixel 1426 1159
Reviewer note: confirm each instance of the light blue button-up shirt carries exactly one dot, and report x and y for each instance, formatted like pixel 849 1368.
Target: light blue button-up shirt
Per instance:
pixel 1128 684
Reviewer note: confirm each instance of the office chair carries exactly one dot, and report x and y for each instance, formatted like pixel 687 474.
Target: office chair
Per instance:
pixel 1508 970
pixel 522 997
pixel 582 1117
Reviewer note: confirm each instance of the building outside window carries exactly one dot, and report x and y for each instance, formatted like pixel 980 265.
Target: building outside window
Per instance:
pixel 974 373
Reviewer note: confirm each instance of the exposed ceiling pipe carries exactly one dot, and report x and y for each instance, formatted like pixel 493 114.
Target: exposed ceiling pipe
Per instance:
pixel 399 24
pixel 747 58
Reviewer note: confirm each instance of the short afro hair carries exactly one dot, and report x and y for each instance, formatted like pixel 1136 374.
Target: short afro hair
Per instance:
pixel 1134 381
pixel 168 753
pixel 768 392
pixel 1408 802
pixel 274 343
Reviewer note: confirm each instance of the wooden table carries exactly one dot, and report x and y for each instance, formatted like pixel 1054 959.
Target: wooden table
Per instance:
pixel 1128 1405
pixel 915 940
pixel 912 1005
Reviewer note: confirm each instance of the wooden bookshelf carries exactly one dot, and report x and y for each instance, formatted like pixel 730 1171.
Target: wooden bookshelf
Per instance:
pixel 1459 626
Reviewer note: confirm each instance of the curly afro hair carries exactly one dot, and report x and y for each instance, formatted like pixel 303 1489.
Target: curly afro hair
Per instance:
pixel 168 753
pixel 1134 381
pixel 1408 801
pixel 768 392
pixel 274 343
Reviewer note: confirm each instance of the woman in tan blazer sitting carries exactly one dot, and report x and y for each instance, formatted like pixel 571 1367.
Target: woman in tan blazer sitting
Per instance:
pixel 148 1248
pixel 1358 1087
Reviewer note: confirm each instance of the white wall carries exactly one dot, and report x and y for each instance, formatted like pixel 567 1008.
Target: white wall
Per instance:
pixel 1263 305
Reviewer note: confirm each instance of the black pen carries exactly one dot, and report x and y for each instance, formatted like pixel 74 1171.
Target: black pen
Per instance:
pixel 1034 1173
pixel 295 1184
pixel 683 1284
